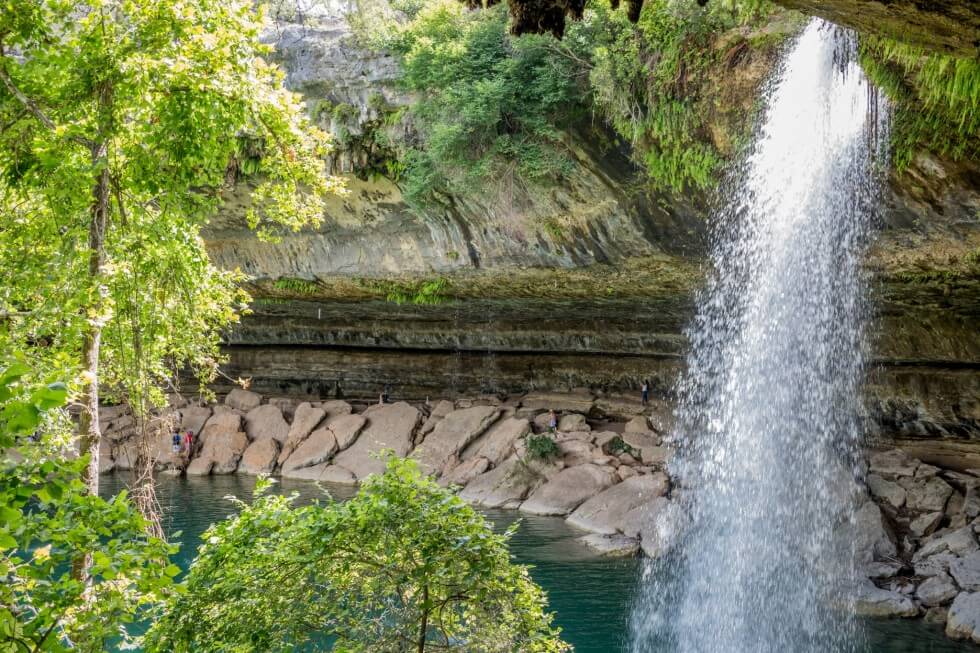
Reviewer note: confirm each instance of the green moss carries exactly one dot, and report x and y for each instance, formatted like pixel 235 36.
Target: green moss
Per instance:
pixel 294 286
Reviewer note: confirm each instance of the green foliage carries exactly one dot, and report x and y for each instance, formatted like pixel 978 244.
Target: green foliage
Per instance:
pixel 48 521
pixel 936 98
pixel 489 108
pixel 617 446
pixel 404 565
pixel 294 286
pixel 656 84
pixel 542 447
pixel 424 292
pixel 160 106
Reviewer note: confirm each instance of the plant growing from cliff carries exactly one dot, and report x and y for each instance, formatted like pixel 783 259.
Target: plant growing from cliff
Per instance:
pixel 124 122
pixel 936 98
pixel 294 286
pixel 48 519
pixel 542 447
pixel 403 566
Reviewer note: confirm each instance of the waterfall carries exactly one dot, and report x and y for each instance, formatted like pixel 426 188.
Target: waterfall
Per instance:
pixel 767 428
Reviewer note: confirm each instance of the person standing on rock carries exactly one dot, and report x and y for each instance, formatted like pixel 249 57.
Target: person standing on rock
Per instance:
pixel 176 441
pixel 188 442
pixel 645 392
pixel 552 421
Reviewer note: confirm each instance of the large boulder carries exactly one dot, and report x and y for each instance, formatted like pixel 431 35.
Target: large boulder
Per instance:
pixel 266 422
pixel 929 495
pixel 126 453
pixel 504 485
pixel 389 426
pixel 963 621
pixel 497 444
pixel 243 400
pixel 305 419
pixel 324 472
pixel 872 601
pixel 890 492
pixel 936 590
pixel 606 512
pixel 892 464
pixel 259 457
pixel 228 421
pixel 961 542
pixel 867 535
pixel 316 449
pixel 568 490
pixel 224 449
pixel 575 452
pixel 439 411
pixel 925 524
pixel 966 571
pixel 345 429
pixel 464 472
pixel 573 422
pixel 647 444
pixel 658 523
pixel 451 435
pixel 193 419
pixel 199 467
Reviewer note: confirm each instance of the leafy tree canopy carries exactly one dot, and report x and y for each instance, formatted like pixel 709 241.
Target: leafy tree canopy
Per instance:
pixel 403 566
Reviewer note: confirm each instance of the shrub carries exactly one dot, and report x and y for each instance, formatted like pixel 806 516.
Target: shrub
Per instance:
pixel 541 447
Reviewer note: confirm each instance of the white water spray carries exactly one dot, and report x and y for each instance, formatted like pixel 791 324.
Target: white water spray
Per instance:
pixel 767 424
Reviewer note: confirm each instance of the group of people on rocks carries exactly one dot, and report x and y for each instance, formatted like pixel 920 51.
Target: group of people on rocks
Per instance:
pixel 183 443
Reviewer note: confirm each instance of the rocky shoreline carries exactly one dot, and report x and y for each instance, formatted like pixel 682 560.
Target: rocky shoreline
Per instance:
pixel 914 531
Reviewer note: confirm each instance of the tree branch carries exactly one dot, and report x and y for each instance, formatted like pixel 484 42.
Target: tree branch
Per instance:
pixel 32 107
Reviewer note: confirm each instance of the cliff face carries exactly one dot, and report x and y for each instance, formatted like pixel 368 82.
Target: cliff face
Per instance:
pixel 588 281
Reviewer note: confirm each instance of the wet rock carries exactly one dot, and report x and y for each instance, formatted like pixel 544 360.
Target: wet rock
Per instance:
pixel 199 467
pixel 315 449
pixel 892 464
pixel 606 512
pixel 872 601
pixel 966 571
pixel 323 472
pixel 497 444
pixel 389 426
pixel 936 615
pixel 464 472
pixel 453 434
pixel 259 457
pixel 508 482
pixel 963 620
pixel 243 400
pixel 882 570
pixel 266 422
pixel 305 420
pixel 613 546
pixel 929 495
pixel 658 523
pixel 889 491
pixel 867 534
pixel 573 422
pixel 925 524
pixel 567 490
pixel 936 590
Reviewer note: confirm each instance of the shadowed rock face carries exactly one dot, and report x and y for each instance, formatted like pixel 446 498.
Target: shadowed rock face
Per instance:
pixel 947 26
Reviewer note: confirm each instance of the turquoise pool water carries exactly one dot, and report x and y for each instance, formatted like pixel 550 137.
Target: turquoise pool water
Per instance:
pixel 589 595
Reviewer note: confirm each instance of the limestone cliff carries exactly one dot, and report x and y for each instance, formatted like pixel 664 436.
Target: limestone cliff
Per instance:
pixel 588 282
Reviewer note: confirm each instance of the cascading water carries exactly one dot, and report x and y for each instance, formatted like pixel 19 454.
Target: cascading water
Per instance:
pixel 767 424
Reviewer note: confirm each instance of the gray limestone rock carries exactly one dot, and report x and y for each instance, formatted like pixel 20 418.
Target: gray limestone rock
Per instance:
pixel 606 513
pixel 928 495
pixel 315 449
pixel 892 464
pixel 573 422
pixel 243 400
pixel 889 491
pixel 613 546
pixel 260 457
pixel 389 427
pixel 966 571
pixel 305 419
pixel 936 590
pixel 508 482
pixel 464 472
pixel 925 524
pixel 497 444
pixel 323 472
pixel 453 434
pixel 568 489
pixel 963 620
pixel 266 422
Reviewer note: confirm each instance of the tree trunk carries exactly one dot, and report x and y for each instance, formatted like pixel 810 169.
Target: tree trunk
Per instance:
pixel 89 430
pixel 424 625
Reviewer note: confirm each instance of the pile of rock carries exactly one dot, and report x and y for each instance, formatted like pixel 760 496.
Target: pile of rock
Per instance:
pixel 606 477
pixel 918 543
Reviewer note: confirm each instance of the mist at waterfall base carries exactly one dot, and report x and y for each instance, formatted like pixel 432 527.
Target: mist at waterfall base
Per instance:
pixel 768 428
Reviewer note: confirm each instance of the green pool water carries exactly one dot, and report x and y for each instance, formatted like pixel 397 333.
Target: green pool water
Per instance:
pixel 590 595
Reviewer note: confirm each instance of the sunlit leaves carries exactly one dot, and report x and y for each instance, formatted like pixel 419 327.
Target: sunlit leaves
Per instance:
pixel 359 574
